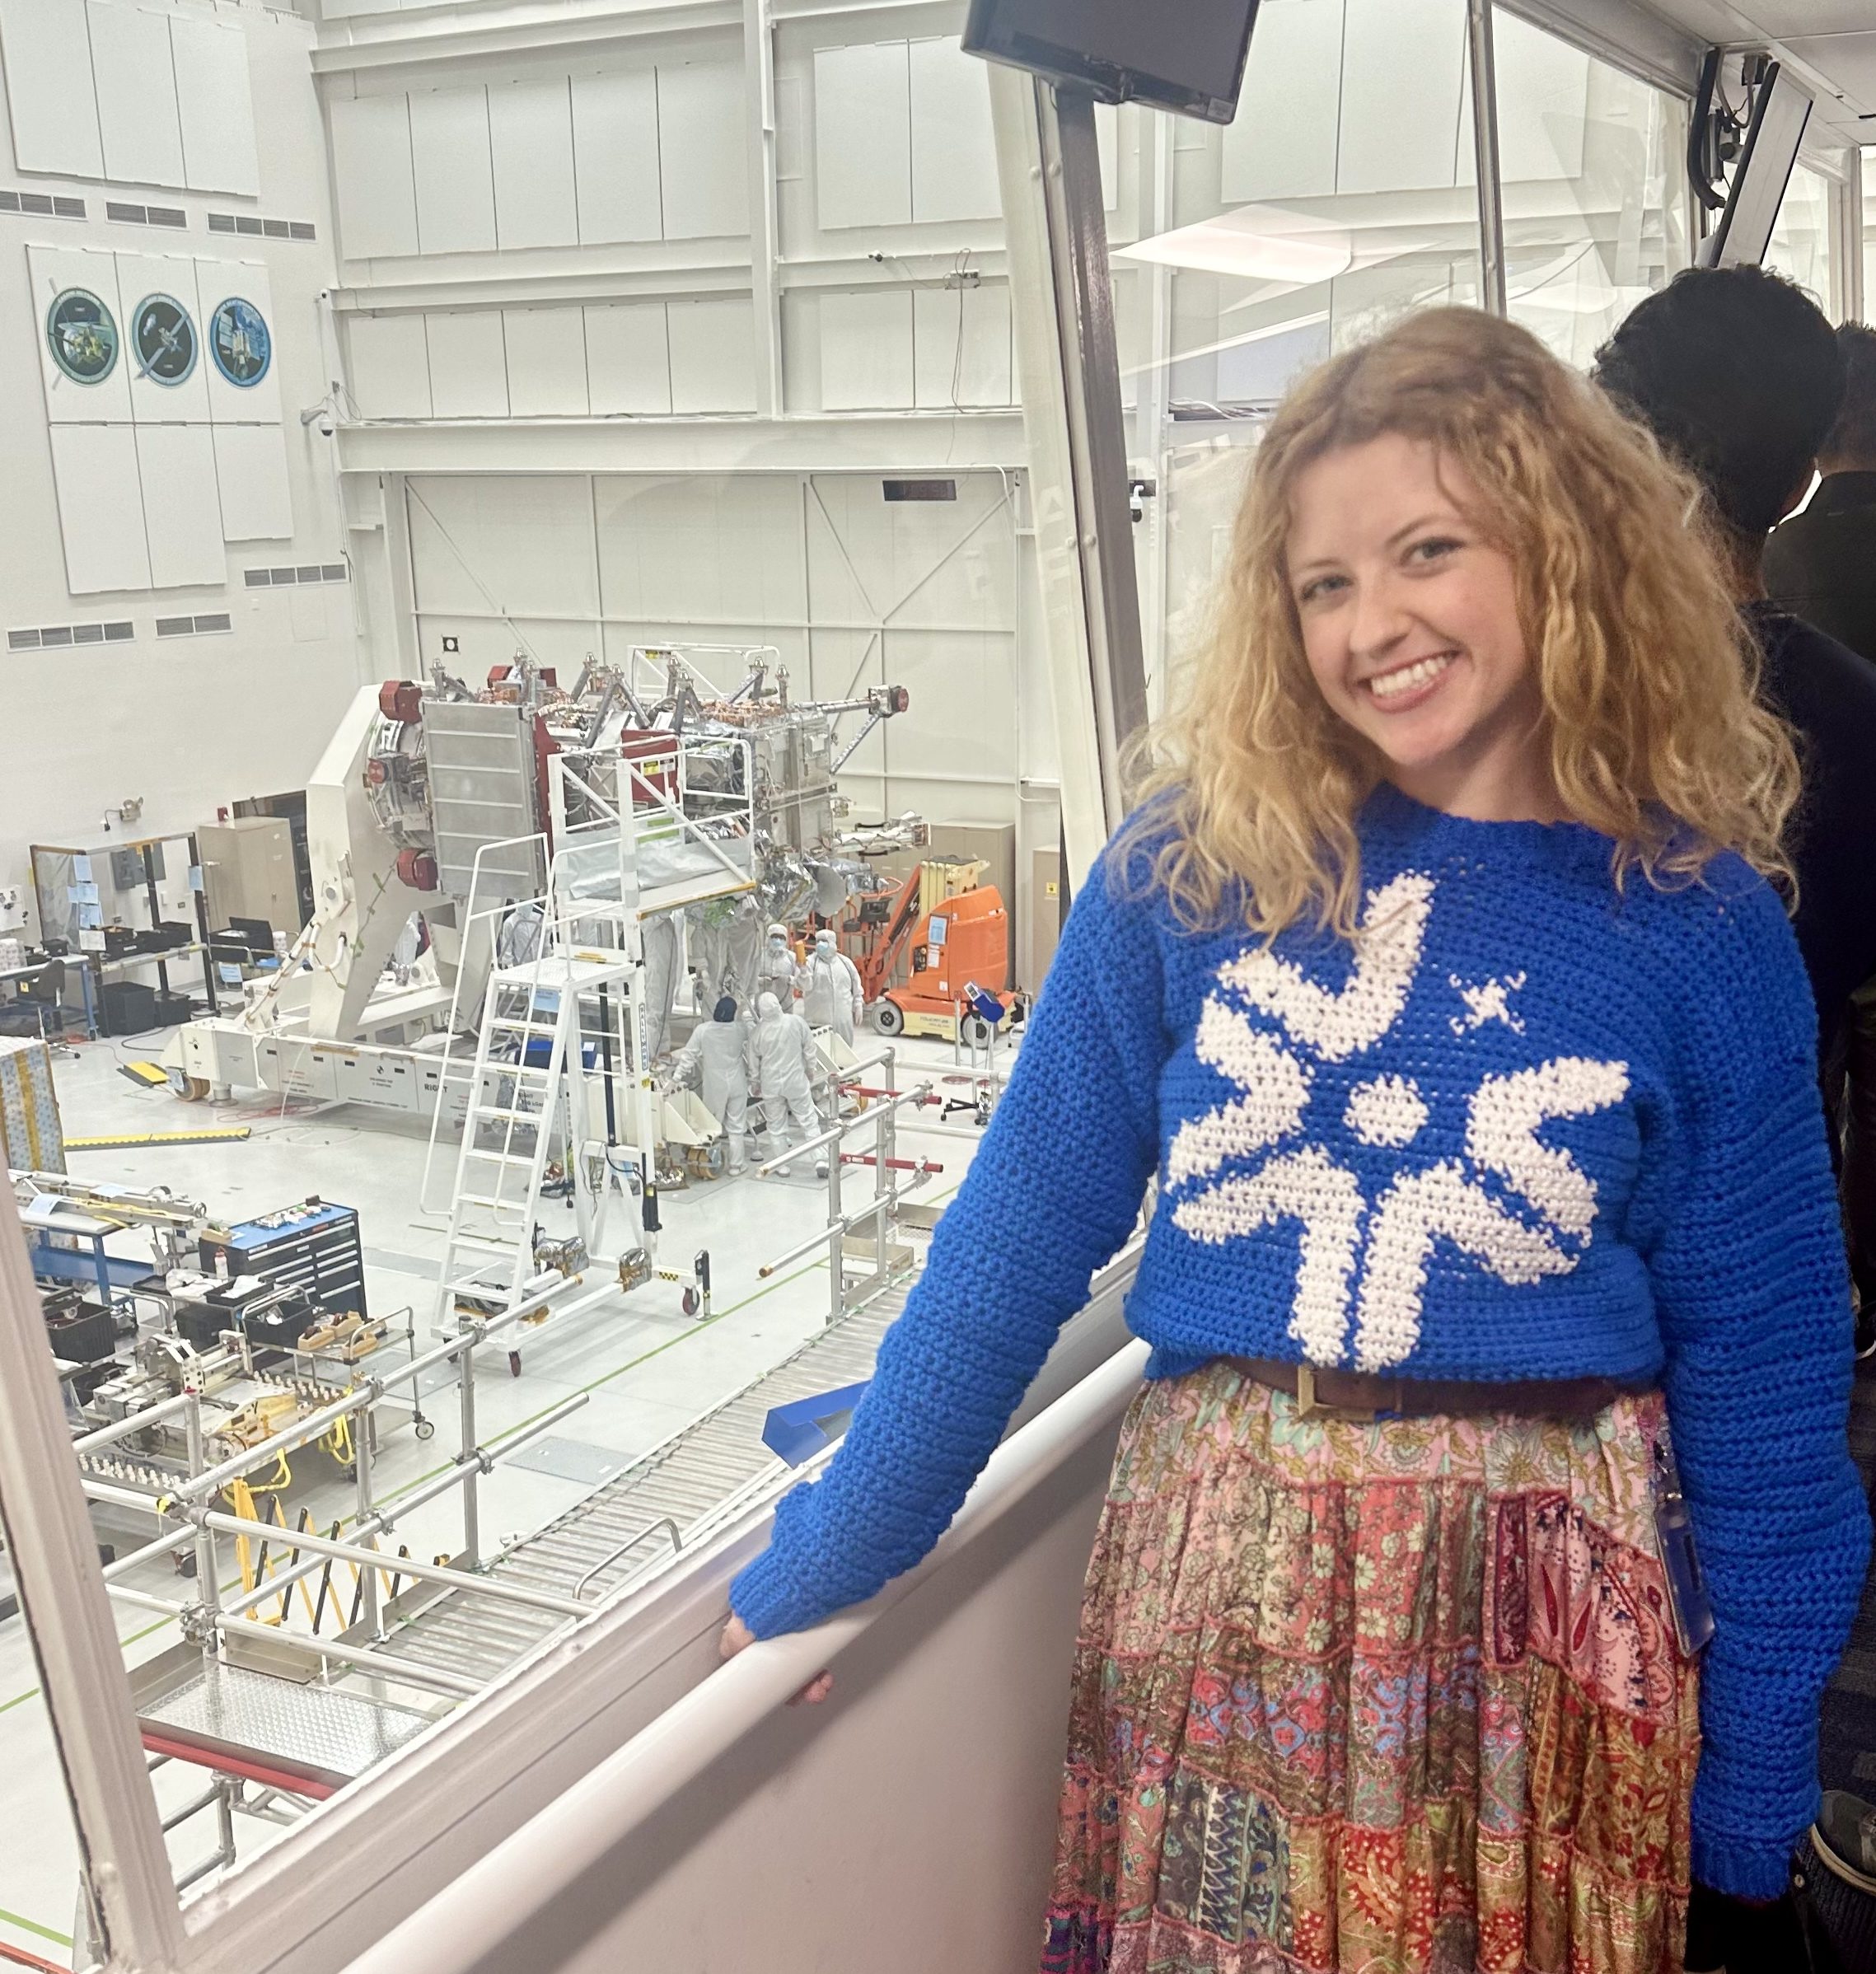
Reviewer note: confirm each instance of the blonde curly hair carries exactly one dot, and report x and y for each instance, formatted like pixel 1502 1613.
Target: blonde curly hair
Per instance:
pixel 1648 676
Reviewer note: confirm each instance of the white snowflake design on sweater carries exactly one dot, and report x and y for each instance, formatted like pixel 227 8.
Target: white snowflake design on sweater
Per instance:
pixel 1362 1257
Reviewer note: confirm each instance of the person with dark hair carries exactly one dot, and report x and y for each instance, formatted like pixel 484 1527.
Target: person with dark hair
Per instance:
pixel 1821 564
pixel 1739 375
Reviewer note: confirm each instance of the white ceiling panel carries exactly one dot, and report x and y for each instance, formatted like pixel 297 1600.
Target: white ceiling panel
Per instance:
pixel 615 157
pixel 214 105
pixel 531 128
pixel 371 173
pixel 449 155
pixel 100 508
pixel 135 75
pixel 250 471
pixel 50 92
pixel 182 509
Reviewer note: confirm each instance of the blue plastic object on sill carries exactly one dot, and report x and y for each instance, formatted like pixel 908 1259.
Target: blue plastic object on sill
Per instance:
pixel 799 1430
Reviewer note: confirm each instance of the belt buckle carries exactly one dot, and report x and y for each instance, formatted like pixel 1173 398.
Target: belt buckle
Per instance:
pixel 1309 1406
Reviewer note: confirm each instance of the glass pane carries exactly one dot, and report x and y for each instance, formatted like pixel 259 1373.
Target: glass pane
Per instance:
pixel 39 1861
pixel 1343 195
pixel 1868 234
pixel 1593 165
pixel 1801 242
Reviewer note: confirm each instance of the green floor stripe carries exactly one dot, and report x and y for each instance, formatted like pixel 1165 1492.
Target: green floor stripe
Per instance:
pixel 32 1925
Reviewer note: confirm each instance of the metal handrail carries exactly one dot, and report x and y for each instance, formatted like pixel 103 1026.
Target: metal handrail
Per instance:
pixel 664 1521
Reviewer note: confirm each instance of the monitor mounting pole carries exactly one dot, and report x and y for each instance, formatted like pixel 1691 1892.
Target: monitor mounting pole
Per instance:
pixel 1062 298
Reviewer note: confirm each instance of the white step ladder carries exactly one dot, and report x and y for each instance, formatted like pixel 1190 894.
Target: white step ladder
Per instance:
pixel 519 1107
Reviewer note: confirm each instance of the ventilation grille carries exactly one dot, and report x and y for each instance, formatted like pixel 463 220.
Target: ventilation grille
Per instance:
pixel 919 489
pixel 311 572
pixel 264 229
pixel 194 627
pixel 172 216
pixel 47 206
pixel 55 637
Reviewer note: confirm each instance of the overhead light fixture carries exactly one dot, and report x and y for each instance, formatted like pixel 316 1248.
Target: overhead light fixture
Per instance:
pixel 1254 243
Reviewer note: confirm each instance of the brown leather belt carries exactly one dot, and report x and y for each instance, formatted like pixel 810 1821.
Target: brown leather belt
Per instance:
pixel 1360 1396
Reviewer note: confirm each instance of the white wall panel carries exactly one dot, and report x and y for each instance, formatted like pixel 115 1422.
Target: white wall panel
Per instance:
pixel 141 278
pixel 547 362
pixel 700 547
pixel 54 270
pixel 530 129
pixel 135 77
pixel 528 541
pixel 250 472
pixel 702 159
pixel 450 160
pixel 866 350
pixel 389 368
pixel 214 105
pixel 50 96
pixel 713 355
pixel 231 404
pixel 1282 143
pixel 961 340
pixel 468 370
pixel 370 168
pixel 954 154
pixel 1107 148
pixel 1405 61
pixel 615 157
pixel 182 509
pixel 1543 105
pixel 627 357
pixel 100 508
pixel 863 135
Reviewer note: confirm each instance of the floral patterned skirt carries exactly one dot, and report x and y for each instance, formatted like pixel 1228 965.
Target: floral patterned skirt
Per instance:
pixel 1397 1698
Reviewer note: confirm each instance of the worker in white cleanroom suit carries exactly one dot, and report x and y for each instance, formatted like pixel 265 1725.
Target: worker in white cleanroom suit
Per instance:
pixel 830 996
pixel 519 940
pixel 785 1068
pixel 777 972
pixel 716 1059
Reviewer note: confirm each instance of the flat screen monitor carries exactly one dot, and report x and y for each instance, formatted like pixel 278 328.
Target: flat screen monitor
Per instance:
pixel 1183 55
pixel 1780 116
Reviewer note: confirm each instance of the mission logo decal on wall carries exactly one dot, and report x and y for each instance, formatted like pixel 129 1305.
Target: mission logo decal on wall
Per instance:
pixel 81 335
pixel 163 339
pixel 239 341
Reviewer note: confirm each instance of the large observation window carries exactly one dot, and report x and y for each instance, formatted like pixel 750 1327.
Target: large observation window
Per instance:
pixel 1804 239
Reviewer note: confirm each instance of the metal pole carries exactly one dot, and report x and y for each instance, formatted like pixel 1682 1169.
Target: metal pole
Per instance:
pixel 1483 68
pixel 837 1226
pixel 362 1505
pixel 1049 166
pixel 471 1505
pixel 73 1635
pixel 207 1592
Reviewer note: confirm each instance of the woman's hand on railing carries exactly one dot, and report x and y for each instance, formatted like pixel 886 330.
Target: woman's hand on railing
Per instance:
pixel 738 1637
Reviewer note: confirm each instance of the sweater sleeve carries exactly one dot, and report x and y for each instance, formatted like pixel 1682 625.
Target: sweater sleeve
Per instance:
pixel 1754 1304
pixel 1054 1189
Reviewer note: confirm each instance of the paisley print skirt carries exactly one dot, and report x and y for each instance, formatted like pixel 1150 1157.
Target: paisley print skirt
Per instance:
pixel 1397 1698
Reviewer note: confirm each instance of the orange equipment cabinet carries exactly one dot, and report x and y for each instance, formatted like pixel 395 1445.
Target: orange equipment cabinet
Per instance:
pixel 963 940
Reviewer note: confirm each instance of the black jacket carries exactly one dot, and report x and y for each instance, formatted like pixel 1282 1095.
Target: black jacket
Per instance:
pixel 1828 695
pixel 1822 564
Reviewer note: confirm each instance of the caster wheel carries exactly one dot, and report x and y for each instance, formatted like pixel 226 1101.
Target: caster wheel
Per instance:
pixel 514 1364
pixel 693 1302
pixel 185 1564
pixel 977 1031
pixel 425 1428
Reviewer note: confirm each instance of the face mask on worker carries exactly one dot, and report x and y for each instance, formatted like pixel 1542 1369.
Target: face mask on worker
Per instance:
pixel 825 947
pixel 778 946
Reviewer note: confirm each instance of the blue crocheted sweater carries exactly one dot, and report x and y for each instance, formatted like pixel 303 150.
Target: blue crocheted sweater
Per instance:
pixel 1531 1126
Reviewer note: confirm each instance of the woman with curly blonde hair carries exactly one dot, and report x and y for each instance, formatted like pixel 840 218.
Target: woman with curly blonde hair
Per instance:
pixel 1442 983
